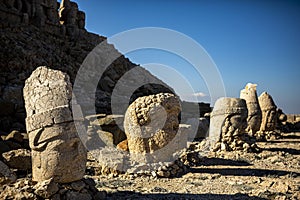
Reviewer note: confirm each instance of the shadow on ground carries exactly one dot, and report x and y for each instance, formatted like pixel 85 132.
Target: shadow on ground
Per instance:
pixel 286 150
pixel 178 196
pixel 291 136
pixel 244 172
pixel 221 161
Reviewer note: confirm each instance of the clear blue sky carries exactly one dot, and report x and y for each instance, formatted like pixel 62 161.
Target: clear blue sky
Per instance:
pixel 250 41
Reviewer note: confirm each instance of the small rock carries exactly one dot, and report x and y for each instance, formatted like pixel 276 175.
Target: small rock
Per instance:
pixel 6 176
pixel 123 145
pixel 71 195
pixel 78 185
pixel 100 195
pixel 18 159
pixel 90 182
pixel 224 147
pixel 15 136
pixel 46 188
pixel 280 187
pixel 163 174
pixel 153 173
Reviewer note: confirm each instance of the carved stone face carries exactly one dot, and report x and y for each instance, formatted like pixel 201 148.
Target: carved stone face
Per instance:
pixel 229 118
pixel 57 152
pixel 271 118
pixel 269 114
pixel 239 121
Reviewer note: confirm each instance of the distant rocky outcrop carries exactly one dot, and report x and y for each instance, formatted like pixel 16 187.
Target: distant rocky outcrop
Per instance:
pixel 46 33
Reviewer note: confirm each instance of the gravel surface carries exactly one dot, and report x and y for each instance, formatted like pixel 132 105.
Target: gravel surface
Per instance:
pixel 270 174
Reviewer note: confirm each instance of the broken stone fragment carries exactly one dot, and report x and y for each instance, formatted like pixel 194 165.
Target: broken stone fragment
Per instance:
pixel 6 175
pixel 18 159
pixel 123 145
pixel 46 188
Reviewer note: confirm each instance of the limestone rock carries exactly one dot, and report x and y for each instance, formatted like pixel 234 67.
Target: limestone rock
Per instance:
pixel 199 127
pixel 110 158
pixel 25 188
pixel 110 123
pixel 6 176
pixel 15 136
pixel 106 137
pixel 46 188
pixel 18 159
pixel 254 111
pixel 151 123
pixel 227 126
pixel 123 145
pixel 72 195
pixel 78 185
pixel 269 118
pixel 269 115
pixel 57 151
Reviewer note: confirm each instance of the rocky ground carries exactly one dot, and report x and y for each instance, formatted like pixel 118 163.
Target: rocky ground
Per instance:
pixel 270 174
pixel 274 173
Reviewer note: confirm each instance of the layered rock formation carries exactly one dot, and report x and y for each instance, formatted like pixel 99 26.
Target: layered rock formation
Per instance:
pixel 44 33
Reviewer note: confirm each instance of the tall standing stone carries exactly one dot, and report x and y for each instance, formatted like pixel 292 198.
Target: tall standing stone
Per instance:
pixel 268 108
pixel 57 151
pixel 254 111
pixel 227 126
pixel 269 117
pixel 151 123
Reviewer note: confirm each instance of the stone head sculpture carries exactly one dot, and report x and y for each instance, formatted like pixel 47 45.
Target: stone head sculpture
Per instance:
pixel 228 123
pixel 254 111
pixel 57 151
pixel 151 123
pixel 269 114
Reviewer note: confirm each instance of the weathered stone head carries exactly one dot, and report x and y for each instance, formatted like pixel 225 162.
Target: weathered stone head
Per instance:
pixel 269 114
pixel 57 151
pixel 227 125
pixel 151 123
pixel 254 111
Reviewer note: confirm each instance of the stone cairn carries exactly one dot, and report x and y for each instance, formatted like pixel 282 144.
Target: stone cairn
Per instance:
pixel 254 111
pixel 227 128
pixel 269 118
pixel 57 151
